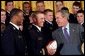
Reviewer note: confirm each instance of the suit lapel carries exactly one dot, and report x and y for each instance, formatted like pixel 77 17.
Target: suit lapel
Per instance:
pixel 15 30
pixel 39 33
pixel 35 28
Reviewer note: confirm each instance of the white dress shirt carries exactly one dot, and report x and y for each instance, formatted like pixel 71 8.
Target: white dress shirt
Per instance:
pixel 67 26
pixel 39 28
pixel 15 25
pixel 49 22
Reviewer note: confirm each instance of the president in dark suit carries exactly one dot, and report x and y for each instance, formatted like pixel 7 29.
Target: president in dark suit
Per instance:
pixel 37 40
pixel 12 42
pixel 68 36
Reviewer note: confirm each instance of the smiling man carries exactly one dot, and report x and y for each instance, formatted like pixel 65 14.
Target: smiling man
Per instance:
pixel 37 39
pixel 68 36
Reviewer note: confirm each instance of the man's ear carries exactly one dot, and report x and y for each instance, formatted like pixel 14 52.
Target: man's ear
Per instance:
pixel 15 17
pixel 34 19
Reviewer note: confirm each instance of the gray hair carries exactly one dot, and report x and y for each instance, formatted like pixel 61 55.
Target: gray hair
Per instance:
pixel 64 13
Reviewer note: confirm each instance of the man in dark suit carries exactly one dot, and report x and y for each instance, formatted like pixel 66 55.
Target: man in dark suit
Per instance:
pixel 37 40
pixel 48 24
pixel 27 12
pixel 3 26
pixel 9 6
pixel 68 36
pixel 75 7
pixel 12 42
pixel 80 17
pixel 3 18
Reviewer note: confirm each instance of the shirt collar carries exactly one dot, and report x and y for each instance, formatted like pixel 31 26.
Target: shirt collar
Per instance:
pixel 15 25
pixel 67 26
pixel 37 27
pixel 82 22
pixel 49 22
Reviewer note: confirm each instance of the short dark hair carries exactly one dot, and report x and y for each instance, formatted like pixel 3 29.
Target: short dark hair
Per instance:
pixel 47 10
pixel 80 11
pixel 65 8
pixel 39 2
pixel 7 2
pixel 59 1
pixel 34 15
pixel 2 10
pixel 14 11
pixel 26 3
pixel 77 4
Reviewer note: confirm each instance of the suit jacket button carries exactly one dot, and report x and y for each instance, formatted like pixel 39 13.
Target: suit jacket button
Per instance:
pixel 25 46
pixel 19 36
pixel 40 38
pixel 26 53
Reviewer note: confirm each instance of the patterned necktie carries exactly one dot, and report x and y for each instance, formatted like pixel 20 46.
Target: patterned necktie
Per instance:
pixel 66 34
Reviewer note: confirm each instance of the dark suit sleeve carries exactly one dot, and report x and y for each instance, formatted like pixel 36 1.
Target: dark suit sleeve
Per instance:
pixel 53 35
pixel 8 43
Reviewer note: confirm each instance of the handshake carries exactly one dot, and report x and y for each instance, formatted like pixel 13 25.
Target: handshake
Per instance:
pixel 51 47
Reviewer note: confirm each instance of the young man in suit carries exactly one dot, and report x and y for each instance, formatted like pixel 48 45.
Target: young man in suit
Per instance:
pixel 3 26
pixel 48 24
pixel 40 6
pixel 37 40
pixel 3 18
pixel 12 42
pixel 80 17
pixel 27 11
pixel 9 6
pixel 75 7
pixel 68 36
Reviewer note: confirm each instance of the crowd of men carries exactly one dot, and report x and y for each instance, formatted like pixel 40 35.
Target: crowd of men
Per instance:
pixel 27 32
